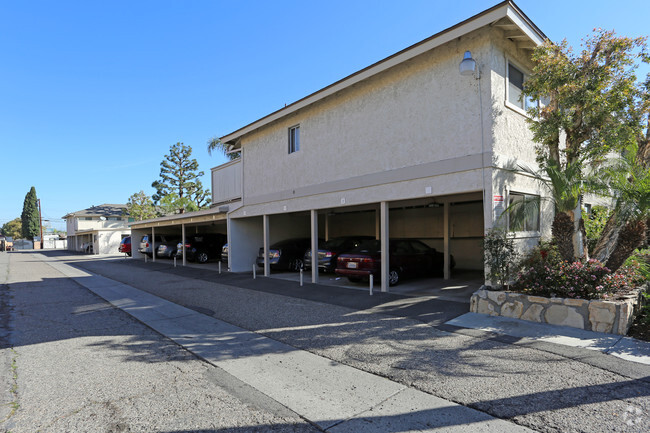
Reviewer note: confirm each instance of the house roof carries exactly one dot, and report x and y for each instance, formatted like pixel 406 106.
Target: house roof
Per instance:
pixel 506 15
pixel 105 210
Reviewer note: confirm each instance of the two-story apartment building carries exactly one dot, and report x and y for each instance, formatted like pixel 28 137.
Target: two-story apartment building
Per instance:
pixel 415 146
pixel 98 229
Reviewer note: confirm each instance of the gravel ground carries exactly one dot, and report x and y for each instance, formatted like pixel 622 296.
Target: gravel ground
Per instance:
pixel 72 362
pixel 546 391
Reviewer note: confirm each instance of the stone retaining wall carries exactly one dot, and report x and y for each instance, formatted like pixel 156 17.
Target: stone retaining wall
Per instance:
pixel 614 317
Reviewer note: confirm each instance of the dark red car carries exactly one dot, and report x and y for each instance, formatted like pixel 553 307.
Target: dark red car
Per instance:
pixel 408 258
pixel 125 246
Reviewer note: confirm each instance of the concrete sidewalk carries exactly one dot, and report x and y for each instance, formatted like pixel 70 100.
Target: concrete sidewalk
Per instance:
pixel 335 397
pixel 616 345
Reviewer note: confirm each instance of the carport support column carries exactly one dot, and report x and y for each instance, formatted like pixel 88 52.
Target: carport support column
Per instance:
pixel 445 237
pixel 314 246
pixel 267 265
pixel 153 244
pixel 183 243
pixel 384 237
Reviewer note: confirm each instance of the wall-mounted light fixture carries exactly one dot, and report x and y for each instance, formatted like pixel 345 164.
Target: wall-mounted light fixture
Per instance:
pixel 468 66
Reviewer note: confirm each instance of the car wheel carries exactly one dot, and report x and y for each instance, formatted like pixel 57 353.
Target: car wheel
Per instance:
pixel 393 277
pixel 354 279
pixel 202 257
pixel 296 265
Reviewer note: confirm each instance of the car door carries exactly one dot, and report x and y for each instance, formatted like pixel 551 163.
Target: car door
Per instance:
pixel 402 256
pixel 423 257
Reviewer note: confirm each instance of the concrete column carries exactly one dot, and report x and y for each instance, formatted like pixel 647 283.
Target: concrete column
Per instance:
pixel 384 236
pixel 445 237
pixel 314 246
pixel 153 244
pixel 327 227
pixel 265 226
pixel 228 237
pixel 183 243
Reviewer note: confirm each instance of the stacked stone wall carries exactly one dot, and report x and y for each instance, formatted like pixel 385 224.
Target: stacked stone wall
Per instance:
pixel 614 317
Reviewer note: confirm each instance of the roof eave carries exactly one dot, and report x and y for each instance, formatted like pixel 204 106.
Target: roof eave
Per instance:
pixel 506 9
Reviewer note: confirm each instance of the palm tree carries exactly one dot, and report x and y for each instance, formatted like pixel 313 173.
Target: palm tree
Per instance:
pixel 565 188
pixel 629 181
pixel 215 144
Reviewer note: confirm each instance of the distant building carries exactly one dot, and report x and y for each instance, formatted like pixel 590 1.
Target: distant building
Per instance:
pixel 98 229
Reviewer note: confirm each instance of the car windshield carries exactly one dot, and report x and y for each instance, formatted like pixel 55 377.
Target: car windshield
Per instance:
pixel 369 246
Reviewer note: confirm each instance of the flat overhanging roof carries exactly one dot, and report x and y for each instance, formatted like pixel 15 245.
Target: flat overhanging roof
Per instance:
pixel 202 216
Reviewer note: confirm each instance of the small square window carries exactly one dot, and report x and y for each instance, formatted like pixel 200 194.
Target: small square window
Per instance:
pixel 294 139
pixel 524 211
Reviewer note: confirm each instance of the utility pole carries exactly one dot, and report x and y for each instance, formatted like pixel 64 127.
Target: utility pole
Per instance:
pixel 40 220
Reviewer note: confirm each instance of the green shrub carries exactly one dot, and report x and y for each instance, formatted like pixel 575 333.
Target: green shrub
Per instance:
pixel 544 273
pixel 500 256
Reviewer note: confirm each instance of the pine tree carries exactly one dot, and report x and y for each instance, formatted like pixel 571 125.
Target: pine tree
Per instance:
pixel 180 187
pixel 140 207
pixel 29 218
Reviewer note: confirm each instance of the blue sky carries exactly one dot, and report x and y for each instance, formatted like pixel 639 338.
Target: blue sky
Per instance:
pixel 92 94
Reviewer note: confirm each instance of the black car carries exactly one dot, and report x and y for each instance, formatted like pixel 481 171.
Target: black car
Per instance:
pixel 287 254
pixel 202 247
pixel 329 252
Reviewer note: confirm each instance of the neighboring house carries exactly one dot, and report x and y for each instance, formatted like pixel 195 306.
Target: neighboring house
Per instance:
pixel 6 243
pixel 98 229
pixel 407 147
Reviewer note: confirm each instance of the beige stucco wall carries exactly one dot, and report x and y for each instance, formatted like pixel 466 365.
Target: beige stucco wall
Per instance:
pixel 419 112
pixel 227 182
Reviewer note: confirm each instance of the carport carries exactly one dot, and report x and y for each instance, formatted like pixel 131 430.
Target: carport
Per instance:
pixel 179 226
pixel 452 224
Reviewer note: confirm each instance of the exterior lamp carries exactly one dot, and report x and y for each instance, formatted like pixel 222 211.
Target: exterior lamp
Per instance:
pixel 468 65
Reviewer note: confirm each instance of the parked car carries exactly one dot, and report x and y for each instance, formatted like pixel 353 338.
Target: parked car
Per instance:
pixel 167 248
pixel 202 247
pixel 287 254
pixel 125 246
pixel 329 253
pixel 407 257
pixel 145 243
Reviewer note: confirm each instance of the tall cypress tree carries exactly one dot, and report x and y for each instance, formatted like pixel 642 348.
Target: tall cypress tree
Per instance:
pixel 29 218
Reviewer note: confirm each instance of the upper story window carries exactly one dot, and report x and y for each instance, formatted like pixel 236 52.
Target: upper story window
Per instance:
pixel 114 218
pixel 528 212
pixel 516 79
pixel 87 218
pixel 294 139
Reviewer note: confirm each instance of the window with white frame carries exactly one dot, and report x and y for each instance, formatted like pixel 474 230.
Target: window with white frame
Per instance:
pixel 524 215
pixel 294 139
pixel 516 79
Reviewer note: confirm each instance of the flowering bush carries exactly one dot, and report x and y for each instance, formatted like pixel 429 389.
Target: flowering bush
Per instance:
pixel 544 273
